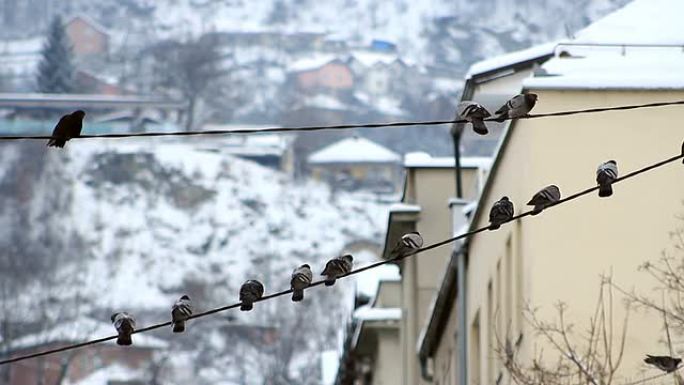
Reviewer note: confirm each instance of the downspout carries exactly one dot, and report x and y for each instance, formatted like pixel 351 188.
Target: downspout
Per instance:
pixel 462 331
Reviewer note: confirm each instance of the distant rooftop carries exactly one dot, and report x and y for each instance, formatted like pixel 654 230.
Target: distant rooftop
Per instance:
pixel 354 150
pixel 424 160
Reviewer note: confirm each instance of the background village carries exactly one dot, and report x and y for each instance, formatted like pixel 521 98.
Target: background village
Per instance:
pixel 578 294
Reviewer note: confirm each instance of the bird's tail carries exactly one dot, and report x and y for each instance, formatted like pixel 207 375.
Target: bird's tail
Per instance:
pixel 480 127
pixel 56 143
pixel 605 190
pixel 124 340
pixel 329 281
pixel 297 295
pixel 179 327
pixel 537 209
pixel 246 306
pixel 494 226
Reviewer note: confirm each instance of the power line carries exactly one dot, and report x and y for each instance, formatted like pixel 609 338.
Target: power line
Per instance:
pixel 354 272
pixel 339 126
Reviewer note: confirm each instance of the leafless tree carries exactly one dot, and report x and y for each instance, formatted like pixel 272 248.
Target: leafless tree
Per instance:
pixel 591 358
pixel 190 67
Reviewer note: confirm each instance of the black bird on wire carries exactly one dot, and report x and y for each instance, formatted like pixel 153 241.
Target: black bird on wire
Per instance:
pixel 124 324
pixel 606 173
pixel 501 212
pixel 180 312
pixel 475 113
pixel 665 363
pixel 301 279
pixel 545 197
pixel 69 126
pixel 250 291
pixel 336 268
pixel 517 107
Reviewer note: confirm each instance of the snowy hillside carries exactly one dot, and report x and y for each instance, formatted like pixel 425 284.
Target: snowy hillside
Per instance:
pixel 116 225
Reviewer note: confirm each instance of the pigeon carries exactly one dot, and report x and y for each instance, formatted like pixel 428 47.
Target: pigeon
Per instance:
pixel 501 212
pixel 545 197
pixel 407 244
pixel 337 267
pixel 69 126
pixel 606 173
pixel 519 105
pixel 125 325
pixel 474 113
pixel 301 278
pixel 250 291
pixel 180 311
pixel 665 363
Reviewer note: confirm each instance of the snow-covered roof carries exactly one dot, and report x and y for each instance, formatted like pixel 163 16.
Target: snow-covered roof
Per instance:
pixel 367 282
pixel 326 102
pixel 80 330
pixel 404 208
pixel 311 63
pixel 90 21
pixel 369 59
pixel 424 160
pixel 112 373
pixel 646 61
pixel 31 46
pixel 367 313
pixel 639 22
pixel 510 59
pixel 354 150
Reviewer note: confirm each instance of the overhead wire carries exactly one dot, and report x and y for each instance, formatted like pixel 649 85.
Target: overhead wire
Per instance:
pixel 338 126
pixel 353 272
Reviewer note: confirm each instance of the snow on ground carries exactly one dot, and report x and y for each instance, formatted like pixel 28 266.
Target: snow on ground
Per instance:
pixel 158 214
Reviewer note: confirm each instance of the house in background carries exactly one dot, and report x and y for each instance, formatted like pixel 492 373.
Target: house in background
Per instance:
pixel 77 365
pixel 88 38
pixel 321 73
pixel 356 163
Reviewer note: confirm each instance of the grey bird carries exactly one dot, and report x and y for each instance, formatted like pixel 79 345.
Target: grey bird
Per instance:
pixel 518 106
pixel 301 279
pixel 501 212
pixel 606 173
pixel 124 324
pixel 180 311
pixel 545 197
pixel 474 113
pixel 407 244
pixel 250 291
pixel 665 363
pixel 69 126
pixel 336 268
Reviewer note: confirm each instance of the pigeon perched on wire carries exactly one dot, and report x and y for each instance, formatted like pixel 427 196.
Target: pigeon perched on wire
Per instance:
pixel 665 363
pixel 301 278
pixel 124 324
pixel 474 113
pixel 407 244
pixel 69 126
pixel 606 173
pixel 250 291
pixel 545 197
pixel 180 311
pixel 336 268
pixel 501 212
pixel 518 106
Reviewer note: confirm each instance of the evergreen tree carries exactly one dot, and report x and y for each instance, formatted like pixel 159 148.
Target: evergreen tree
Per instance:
pixel 56 68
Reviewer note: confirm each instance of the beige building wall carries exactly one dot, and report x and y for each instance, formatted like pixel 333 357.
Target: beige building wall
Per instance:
pixel 431 189
pixel 385 367
pixel 559 255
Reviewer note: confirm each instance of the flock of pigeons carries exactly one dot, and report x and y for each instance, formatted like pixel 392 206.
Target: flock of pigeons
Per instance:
pixel 253 290
pixel 70 126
